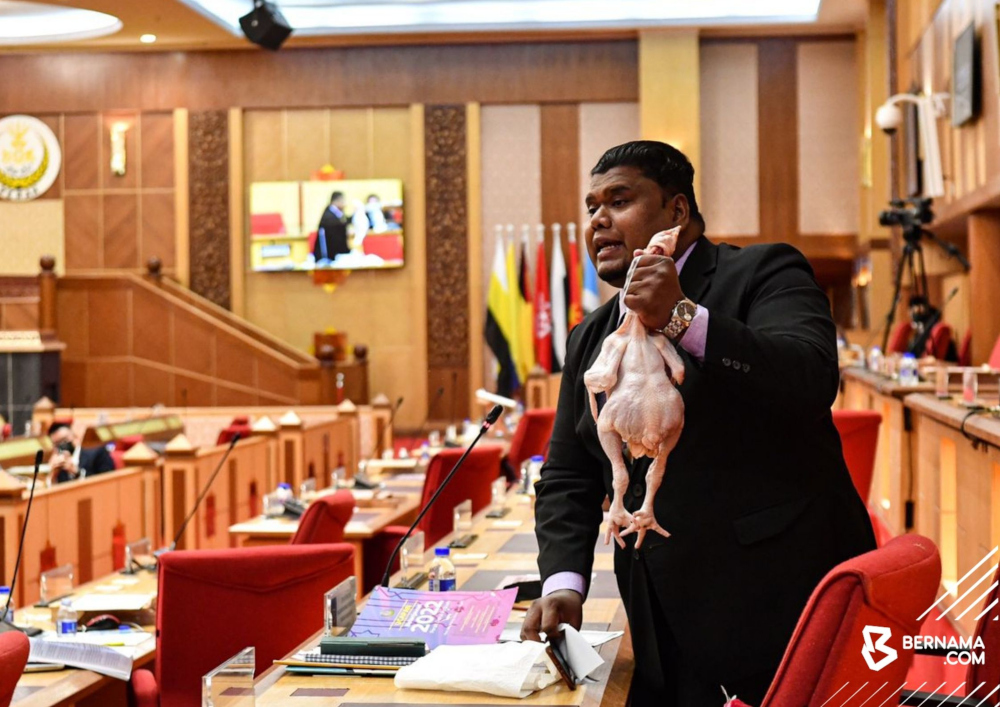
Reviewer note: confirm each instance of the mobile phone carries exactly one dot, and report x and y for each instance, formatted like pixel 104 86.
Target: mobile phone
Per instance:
pixel 562 667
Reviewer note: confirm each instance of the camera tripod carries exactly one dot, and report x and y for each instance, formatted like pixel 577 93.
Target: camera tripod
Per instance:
pixel 912 262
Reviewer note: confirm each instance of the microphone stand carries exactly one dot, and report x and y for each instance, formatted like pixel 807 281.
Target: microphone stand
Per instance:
pixel 491 418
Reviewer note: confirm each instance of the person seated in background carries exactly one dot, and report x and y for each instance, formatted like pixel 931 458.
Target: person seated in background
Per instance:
pixel 923 318
pixel 70 461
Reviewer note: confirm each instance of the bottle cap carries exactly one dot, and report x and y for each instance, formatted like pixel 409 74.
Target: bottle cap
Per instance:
pixel 284 485
pixel 538 458
pixel 908 355
pixel 5 590
pixel 67 602
pixel 442 551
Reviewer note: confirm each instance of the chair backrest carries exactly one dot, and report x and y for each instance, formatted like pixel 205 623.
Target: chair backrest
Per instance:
pixel 473 481
pixel 965 350
pixel 988 628
pixel 240 425
pixel 939 341
pixel 900 339
pixel 325 519
pixel 994 359
pixel 214 603
pixel 14 649
pixel 532 435
pixel 883 589
pixel 859 437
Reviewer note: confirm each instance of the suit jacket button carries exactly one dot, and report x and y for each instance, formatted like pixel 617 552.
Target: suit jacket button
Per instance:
pixel 635 554
pixel 736 365
pixel 637 490
pixel 746 367
pixel 726 362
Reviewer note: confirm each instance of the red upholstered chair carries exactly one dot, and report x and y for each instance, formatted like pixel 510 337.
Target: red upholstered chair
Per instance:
pixel 994 359
pixel 859 437
pixel 14 650
pixel 887 588
pixel 239 425
pixel 388 246
pixel 121 446
pixel 531 436
pixel 900 339
pixel 965 350
pixel 270 224
pixel 473 481
pixel 939 341
pixel 325 519
pixel 214 603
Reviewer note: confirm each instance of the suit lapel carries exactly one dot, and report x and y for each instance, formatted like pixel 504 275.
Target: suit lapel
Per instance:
pixel 696 275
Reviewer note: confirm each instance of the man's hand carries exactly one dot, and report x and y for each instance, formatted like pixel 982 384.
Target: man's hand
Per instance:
pixel 545 614
pixel 62 461
pixel 654 290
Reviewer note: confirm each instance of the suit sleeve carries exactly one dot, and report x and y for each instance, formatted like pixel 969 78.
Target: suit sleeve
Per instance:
pixel 784 354
pixel 100 462
pixel 570 494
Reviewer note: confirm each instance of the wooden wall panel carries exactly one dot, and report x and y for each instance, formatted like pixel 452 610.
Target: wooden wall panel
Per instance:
pixel 82 151
pixel 158 228
pixel 157 132
pixel 84 242
pixel 984 280
pixel 377 76
pixel 560 143
pixel 121 231
pixel 777 139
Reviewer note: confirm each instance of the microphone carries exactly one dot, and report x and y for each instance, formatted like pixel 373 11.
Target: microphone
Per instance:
pixel 5 624
pixel 491 417
pixel 204 492
pixel 361 479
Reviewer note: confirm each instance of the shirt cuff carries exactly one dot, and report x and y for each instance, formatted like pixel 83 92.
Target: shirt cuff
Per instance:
pixel 696 335
pixel 565 580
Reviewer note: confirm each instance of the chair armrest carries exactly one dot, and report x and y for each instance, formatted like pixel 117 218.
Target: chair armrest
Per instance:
pixel 143 690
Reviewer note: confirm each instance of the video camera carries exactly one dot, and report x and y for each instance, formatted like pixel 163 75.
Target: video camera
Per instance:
pixel 910 214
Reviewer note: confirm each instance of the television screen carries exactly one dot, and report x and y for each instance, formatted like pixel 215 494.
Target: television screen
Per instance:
pixel 350 224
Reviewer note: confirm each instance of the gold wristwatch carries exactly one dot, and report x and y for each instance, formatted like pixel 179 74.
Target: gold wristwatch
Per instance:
pixel 680 319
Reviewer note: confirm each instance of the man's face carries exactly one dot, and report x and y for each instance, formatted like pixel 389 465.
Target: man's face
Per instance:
pixel 626 209
pixel 338 202
pixel 62 436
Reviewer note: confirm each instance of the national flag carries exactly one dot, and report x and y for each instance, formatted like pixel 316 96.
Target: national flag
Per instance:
pixel 558 284
pixel 499 323
pixel 575 312
pixel 527 310
pixel 543 308
pixel 514 308
pixel 591 299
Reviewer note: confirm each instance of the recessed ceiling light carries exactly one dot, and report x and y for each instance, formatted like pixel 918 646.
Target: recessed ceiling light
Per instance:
pixel 331 17
pixel 147 38
pixel 34 23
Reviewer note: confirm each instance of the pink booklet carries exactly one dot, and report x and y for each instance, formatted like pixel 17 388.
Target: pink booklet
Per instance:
pixel 454 618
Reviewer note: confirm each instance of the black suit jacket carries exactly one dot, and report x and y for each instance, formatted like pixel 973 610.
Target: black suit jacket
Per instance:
pixel 334 230
pixel 96 460
pixel 756 493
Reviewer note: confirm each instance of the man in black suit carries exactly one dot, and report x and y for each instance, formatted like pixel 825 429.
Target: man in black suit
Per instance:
pixel 331 236
pixel 70 461
pixel 756 495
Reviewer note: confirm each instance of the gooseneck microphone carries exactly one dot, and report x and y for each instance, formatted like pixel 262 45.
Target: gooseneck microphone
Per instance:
pixel 204 492
pixel 5 624
pixel 491 417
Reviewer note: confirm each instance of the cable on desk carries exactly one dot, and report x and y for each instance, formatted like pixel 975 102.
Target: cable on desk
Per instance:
pixel 976 442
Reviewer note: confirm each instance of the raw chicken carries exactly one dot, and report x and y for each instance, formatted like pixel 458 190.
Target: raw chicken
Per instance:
pixel 638 371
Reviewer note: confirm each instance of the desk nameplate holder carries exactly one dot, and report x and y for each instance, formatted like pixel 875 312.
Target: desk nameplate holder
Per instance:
pixel 340 607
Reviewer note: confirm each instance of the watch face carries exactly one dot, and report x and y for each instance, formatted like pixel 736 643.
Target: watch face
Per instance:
pixel 686 310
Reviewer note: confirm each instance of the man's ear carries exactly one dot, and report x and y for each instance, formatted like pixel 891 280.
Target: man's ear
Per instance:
pixel 678 209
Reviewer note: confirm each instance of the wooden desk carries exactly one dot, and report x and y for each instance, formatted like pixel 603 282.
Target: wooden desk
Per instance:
pixel 956 487
pixel 511 551
pixel 366 523
pixel 82 687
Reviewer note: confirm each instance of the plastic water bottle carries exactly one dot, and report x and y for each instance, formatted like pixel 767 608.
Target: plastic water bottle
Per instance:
pixel 284 492
pixel 875 360
pixel 442 572
pixel 66 618
pixel 534 471
pixel 908 370
pixel 4 598
pixel 425 453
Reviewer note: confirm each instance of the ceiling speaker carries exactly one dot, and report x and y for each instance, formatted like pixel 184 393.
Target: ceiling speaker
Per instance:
pixel 265 25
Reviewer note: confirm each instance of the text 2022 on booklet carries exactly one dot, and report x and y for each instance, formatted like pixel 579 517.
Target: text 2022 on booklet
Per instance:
pixel 454 618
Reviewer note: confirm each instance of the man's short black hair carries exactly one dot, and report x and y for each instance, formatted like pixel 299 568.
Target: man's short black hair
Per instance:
pixel 336 195
pixel 56 426
pixel 663 163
